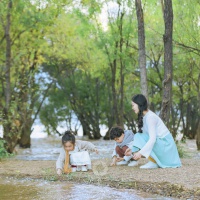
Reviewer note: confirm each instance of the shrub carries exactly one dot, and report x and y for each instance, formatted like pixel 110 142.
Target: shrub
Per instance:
pixel 181 150
pixel 3 152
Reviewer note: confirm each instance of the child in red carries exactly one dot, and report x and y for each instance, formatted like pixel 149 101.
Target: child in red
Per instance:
pixel 124 140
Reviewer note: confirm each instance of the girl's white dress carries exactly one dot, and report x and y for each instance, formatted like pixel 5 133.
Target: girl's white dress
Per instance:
pixel 79 156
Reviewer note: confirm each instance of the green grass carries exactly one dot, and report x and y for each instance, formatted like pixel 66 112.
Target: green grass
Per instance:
pixel 49 175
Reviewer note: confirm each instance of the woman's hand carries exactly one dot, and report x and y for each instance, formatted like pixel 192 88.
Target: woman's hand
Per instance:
pixel 128 152
pixel 137 156
pixel 59 172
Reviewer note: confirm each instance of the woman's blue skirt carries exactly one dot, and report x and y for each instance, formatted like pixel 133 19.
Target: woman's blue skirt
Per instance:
pixel 164 152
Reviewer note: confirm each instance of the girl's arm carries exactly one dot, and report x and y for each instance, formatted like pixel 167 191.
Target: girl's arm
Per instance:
pixel 151 125
pixel 86 145
pixel 61 160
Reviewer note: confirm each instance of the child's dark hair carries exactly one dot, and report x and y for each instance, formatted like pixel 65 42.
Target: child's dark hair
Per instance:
pixel 116 132
pixel 141 101
pixel 68 137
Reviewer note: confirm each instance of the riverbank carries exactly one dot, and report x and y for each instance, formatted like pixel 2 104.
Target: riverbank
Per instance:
pixel 181 183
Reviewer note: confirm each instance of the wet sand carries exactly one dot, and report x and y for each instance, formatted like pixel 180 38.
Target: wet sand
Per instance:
pixel 181 183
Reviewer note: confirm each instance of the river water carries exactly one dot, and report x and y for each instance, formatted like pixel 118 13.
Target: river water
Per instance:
pixel 48 149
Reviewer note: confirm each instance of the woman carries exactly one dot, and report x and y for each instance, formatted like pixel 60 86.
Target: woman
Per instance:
pixel 154 141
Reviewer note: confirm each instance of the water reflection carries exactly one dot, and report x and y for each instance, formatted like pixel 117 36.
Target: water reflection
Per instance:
pixel 40 190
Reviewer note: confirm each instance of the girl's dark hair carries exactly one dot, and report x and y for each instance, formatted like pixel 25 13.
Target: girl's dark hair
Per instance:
pixel 68 137
pixel 116 132
pixel 141 101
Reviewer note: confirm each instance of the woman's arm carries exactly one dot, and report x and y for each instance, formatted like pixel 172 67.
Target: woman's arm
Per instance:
pixel 151 122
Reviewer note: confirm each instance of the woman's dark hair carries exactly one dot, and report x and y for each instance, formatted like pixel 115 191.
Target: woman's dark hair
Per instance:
pixel 141 101
pixel 116 132
pixel 68 137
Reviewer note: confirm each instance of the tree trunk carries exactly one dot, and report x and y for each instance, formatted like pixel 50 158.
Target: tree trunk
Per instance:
pixel 198 137
pixel 122 66
pixel 198 129
pixel 108 115
pixel 142 51
pixel 10 134
pixel 25 139
pixel 168 59
pixel 115 114
pixel 8 56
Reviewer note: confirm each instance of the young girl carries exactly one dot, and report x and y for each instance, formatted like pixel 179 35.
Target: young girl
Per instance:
pixel 154 141
pixel 74 155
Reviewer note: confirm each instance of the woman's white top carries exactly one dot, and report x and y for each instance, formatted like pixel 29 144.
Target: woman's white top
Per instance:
pixel 154 126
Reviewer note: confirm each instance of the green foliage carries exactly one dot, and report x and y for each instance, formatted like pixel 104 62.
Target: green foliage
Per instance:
pixel 181 150
pixel 68 42
pixel 3 152
pixel 30 22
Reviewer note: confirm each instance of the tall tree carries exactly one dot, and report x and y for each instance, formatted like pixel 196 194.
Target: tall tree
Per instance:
pixel 11 125
pixel 168 60
pixel 21 46
pixel 142 50
pixel 8 56
pixel 72 53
